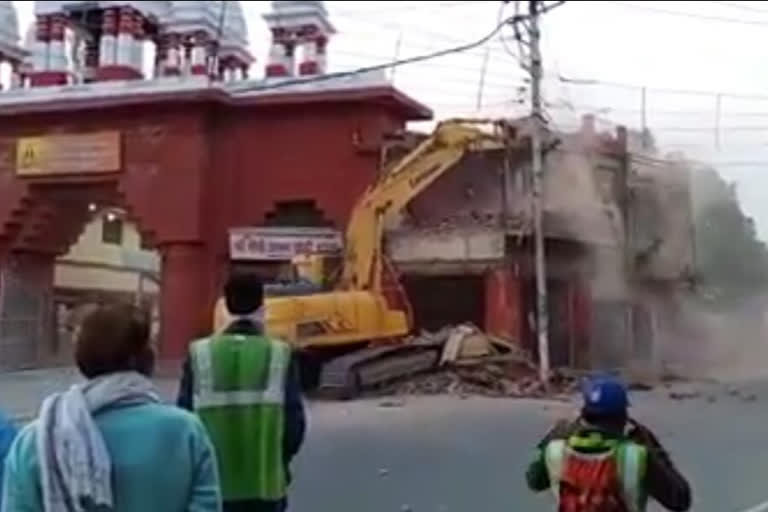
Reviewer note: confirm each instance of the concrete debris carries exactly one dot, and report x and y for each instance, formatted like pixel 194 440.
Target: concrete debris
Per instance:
pixel 392 403
pixel 491 380
pixel 745 396
pixel 684 395
pixel 467 342
pixel 474 363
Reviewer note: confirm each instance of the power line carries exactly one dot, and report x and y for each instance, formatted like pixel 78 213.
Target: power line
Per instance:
pixel 422 6
pixel 577 108
pixel 501 80
pixel 399 27
pixel 742 7
pixel 379 67
pixel 703 17
pixel 692 92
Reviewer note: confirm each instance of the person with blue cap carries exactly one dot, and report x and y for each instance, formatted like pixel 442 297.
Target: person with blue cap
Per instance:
pixel 605 461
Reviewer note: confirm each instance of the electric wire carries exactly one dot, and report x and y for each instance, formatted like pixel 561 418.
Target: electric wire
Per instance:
pixel 379 67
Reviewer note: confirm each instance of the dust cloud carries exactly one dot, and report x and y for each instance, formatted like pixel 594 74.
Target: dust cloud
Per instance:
pixel 723 345
pixel 703 339
pixel 691 337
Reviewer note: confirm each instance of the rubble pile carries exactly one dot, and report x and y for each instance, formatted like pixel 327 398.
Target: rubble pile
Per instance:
pixel 492 380
pixel 475 363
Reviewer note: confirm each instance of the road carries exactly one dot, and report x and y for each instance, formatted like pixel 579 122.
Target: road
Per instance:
pixel 445 454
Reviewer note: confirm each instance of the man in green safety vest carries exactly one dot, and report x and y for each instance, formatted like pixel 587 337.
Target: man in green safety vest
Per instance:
pixel 605 461
pixel 245 388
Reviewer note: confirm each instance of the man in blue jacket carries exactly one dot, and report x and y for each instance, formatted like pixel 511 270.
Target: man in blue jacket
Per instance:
pixel 7 435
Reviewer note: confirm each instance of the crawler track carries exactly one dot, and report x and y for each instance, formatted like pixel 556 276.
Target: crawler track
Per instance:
pixel 346 376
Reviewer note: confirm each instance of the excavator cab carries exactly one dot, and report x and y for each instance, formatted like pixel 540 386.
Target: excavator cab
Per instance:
pixel 310 267
pixel 322 270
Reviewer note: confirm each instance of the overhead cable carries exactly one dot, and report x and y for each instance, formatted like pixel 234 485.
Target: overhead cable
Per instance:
pixel 379 67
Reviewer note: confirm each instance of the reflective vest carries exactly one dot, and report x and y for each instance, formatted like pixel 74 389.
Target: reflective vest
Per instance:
pixel 239 393
pixel 630 462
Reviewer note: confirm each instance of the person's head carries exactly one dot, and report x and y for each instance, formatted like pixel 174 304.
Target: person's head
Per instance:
pixel 114 339
pixel 244 293
pixel 606 402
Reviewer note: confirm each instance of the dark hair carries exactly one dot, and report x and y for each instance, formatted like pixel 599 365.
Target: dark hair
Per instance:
pixel 244 293
pixel 113 339
pixel 609 421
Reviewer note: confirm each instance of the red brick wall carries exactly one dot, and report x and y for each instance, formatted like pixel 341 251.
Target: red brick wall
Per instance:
pixel 190 171
pixel 470 194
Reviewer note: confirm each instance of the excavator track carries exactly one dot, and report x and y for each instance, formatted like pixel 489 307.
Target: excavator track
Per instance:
pixel 346 376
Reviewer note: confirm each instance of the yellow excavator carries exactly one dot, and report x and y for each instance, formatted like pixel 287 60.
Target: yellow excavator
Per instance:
pixel 355 318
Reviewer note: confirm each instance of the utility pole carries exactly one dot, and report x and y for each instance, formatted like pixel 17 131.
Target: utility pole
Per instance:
pixel 481 85
pixel 537 117
pixel 718 115
pixel 643 119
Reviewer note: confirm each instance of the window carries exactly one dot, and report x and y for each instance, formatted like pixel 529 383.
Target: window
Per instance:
pixel 112 230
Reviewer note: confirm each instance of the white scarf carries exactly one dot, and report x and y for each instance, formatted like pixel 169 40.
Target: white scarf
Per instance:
pixel 75 466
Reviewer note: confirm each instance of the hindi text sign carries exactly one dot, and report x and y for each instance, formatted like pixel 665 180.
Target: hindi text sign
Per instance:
pixel 281 243
pixel 68 154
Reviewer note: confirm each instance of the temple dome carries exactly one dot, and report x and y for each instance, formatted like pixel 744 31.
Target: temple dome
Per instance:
pixel 9 31
pixel 217 18
pixel 9 24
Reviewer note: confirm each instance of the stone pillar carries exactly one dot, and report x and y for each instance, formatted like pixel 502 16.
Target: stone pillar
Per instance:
pixel 244 72
pixel 91 61
pixel 125 38
pixel 39 48
pixel 56 53
pixel 184 301
pixel 227 69
pixel 49 63
pixel 16 75
pixel 321 54
pixel 503 304
pixel 137 55
pixel 108 43
pixel 199 54
pixel 161 54
pixel 120 28
pixel 173 53
pixel 280 61
pixel 314 56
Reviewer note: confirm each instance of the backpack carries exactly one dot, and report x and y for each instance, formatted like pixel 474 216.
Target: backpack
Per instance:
pixel 586 475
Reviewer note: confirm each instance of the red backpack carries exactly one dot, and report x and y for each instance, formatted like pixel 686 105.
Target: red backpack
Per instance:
pixel 587 480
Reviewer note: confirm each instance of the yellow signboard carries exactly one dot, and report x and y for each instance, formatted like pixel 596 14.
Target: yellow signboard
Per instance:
pixel 68 154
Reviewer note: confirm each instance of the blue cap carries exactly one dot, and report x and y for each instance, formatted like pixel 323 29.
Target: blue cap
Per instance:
pixel 605 395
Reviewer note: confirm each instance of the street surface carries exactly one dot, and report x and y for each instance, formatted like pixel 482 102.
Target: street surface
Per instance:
pixel 445 454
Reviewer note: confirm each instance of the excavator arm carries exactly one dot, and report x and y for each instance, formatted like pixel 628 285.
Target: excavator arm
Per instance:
pixel 448 144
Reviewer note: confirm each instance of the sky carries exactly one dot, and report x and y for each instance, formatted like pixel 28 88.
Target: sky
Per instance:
pixel 694 59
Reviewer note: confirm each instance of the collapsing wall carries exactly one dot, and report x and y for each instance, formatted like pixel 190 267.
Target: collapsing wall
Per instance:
pixel 597 203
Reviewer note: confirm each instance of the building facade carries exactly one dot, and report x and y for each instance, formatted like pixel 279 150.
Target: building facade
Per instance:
pixel 186 155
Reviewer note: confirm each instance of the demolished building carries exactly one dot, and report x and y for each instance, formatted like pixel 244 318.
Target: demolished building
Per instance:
pixel 617 224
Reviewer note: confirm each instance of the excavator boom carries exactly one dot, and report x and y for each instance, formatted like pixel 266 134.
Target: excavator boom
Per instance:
pixel 449 143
